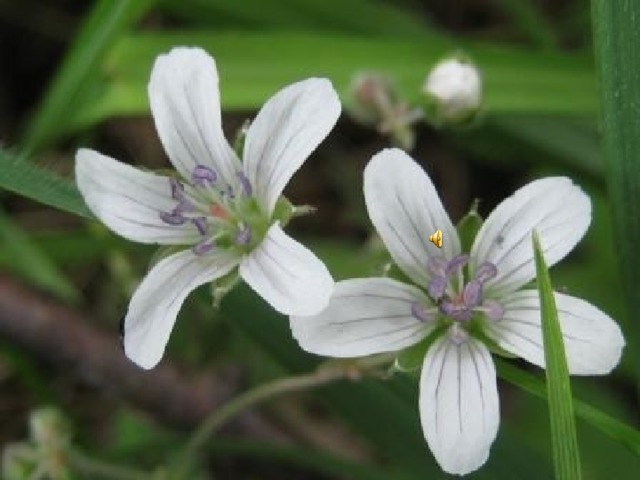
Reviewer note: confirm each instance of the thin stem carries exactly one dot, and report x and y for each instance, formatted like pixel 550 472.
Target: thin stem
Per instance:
pixel 92 468
pixel 325 373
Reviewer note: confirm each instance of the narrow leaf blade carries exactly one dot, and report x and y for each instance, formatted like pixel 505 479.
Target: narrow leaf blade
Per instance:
pixel 563 429
pixel 24 178
pixel 103 25
pixel 613 428
pixel 616 33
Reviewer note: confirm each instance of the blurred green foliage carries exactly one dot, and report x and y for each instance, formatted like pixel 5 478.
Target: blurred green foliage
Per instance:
pixel 539 118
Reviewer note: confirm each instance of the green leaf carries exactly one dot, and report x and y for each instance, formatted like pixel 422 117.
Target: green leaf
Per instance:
pixel 563 429
pixel 253 66
pixel 25 258
pixel 616 28
pixel 613 428
pixel 105 23
pixel 530 20
pixel 468 227
pixel 24 178
pixel 374 17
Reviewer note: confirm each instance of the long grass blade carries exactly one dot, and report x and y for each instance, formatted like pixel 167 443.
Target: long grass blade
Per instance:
pixel 563 428
pixel 104 24
pixel 29 180
pixel 616 29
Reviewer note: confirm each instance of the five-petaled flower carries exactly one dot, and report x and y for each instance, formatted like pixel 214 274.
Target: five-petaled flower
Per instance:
pixel 466 297
pixel 223 210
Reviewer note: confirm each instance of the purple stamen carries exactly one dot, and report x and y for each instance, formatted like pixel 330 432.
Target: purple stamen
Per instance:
pixel 455 311
pixel 177 189
pixel 422 314
pixel 493 310
pixel 485 272
pixel 472 294
pixel 245 185
pixel 202 247
pixel 172 218
pixel 201 225
pixel 437 286
pixel 456 264
pixel 203 176
pixel 184 206
pixel 243 235
pixel 436 266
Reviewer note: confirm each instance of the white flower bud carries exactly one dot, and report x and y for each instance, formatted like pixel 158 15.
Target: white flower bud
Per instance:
pixel 454 89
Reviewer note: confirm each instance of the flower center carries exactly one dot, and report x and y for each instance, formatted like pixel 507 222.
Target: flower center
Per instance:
pixel 454 299
pixel 224 215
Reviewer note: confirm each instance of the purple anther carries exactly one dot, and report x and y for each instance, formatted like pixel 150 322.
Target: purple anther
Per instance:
pixel 472 294
pixel 436 266
pixel 421 313
pixel 184 206
pixel 485 272
pixel 245 185
pixel 203 176
pixel 437 286
pixel 243 235
pixel 202 247
pixel 455 311
pixel 456 264
pixel 177 189
pixel 201 225
pixel 493 310
pixel 172 218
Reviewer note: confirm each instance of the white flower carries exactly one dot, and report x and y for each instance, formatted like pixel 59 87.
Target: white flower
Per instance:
pixel 459 406
pixel 455 88
pixel 221 209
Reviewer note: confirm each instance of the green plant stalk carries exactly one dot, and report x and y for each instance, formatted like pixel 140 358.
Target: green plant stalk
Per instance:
pixel 107 20
pixel 326 373
pixel 566 457
pixel 616 32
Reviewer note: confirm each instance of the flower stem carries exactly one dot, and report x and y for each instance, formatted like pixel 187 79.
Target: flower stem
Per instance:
pixel 325 373
pixel 89 467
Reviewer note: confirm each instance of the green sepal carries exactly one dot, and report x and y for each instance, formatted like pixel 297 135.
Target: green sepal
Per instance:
pixel 435 116
pixel 410 359
pixel 223 285
pixel 469 226
pixel 241 136
pixel 284 211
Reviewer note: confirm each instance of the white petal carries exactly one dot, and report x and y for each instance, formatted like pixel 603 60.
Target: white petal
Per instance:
pixel 156 302
pixel 185 101
pixel 128 200
pixel 556 208
pixel 405 209
pixel 287 129
pixel 593 341
pixel 365 316
pixel 459 405
pixel 287 275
